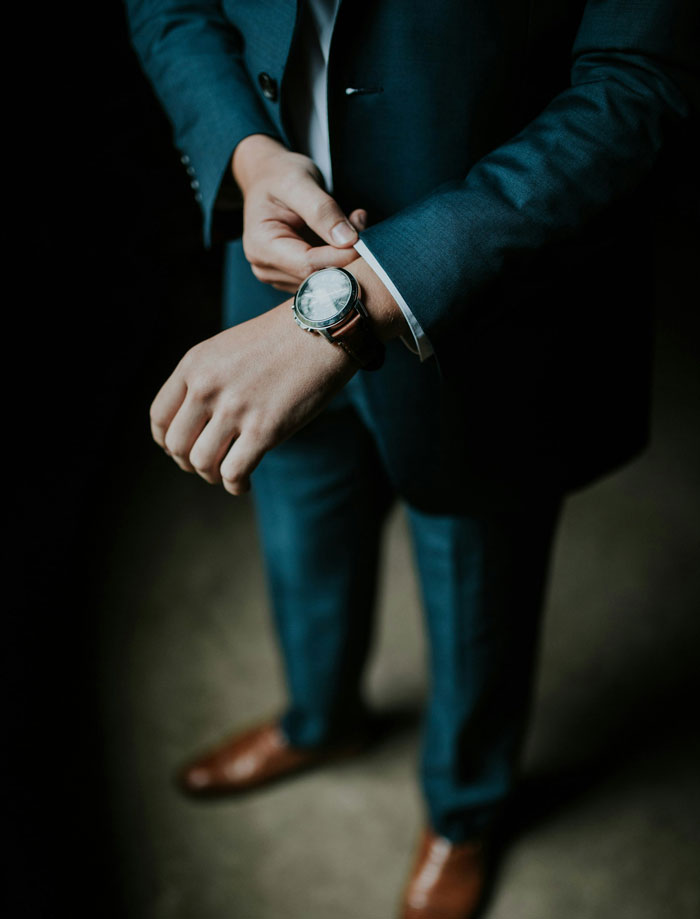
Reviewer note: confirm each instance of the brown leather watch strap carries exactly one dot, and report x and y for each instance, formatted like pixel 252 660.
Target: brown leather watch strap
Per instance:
pixel 357 338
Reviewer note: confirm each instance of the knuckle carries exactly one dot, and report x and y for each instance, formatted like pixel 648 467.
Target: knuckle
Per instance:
pixel 324 209
pixel 200 465
pixel 204 466
pixel 201 389
pixel 157 419
pixel 232 482
pixel 230 411
pixel 179 457
pixel 264 437
pixel 258 428
pixel 190 356
pixel 174 449
pixel 249 249
pixel 305 267
pixel 239 488
pixel 205 474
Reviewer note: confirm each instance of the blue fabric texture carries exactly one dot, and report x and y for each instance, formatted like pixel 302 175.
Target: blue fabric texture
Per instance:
pixel 503 152
pixel 321 499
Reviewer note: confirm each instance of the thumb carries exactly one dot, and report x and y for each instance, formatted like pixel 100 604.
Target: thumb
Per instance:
pixel 320 213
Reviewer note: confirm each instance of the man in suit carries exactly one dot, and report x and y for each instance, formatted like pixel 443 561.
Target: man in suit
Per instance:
pixel 470 178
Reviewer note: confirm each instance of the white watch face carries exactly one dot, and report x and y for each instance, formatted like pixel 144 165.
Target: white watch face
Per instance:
pixel 323 295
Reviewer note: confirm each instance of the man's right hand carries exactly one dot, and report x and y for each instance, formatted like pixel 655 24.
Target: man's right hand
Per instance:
pixel 291 225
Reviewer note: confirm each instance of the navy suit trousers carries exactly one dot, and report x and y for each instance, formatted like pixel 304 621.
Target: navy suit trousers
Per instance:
pixel 321 499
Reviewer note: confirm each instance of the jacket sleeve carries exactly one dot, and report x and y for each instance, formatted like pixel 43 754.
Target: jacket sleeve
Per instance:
pixel 193 58
pixel 633 79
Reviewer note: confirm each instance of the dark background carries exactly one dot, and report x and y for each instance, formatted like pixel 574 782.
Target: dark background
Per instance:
pixel 115 286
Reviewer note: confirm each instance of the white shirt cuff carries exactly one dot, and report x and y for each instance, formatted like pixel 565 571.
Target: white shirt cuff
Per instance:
pixel 420 344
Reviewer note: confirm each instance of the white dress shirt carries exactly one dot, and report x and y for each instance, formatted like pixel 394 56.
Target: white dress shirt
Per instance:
pixel 310 117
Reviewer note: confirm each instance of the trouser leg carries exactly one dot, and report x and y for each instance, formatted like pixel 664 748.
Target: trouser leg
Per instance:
pixel 321 498
pixel 483 582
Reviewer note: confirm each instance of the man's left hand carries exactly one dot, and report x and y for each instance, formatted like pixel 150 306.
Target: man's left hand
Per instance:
pixel 236 395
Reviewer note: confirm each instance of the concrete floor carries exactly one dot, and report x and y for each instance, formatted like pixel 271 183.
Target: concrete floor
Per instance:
pixel 607 823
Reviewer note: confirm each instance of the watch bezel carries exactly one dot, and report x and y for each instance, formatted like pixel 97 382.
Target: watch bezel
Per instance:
pixel 318 324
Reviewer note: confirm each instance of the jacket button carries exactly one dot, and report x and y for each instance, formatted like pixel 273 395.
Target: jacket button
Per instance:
pixel 268 86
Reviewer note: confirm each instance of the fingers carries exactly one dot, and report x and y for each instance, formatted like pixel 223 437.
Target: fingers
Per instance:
pixel 288 260
pixel 358 218
pixel 320 212
pixel 276 278
pixel 328 257
pixel 165 406
pixel 210 448
pixel 244 455
pixel 294 227
pixel 217 459
pixel 183 431
pixel 277 255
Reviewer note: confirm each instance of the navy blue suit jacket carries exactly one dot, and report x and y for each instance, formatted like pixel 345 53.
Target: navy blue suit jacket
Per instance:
pixel 501 148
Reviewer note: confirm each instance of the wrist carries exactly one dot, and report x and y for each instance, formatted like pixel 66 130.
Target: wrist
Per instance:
pixel 251 156
pixel 329 303
pixel 386 318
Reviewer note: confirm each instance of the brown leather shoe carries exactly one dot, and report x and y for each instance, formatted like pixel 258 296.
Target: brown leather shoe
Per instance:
pixel 255 757
pixel 447 880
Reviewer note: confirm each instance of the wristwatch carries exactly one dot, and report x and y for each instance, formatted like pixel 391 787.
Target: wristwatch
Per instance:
pixel 328 302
